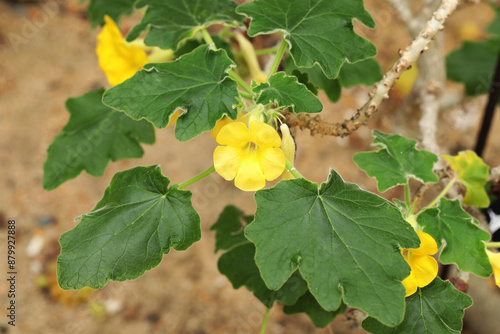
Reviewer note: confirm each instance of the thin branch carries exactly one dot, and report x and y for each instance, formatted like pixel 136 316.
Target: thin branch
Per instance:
pixel 380 92
pixel 403 10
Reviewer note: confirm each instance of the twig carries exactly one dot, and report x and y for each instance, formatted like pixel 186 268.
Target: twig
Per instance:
pixel 380 92
pixel 403 10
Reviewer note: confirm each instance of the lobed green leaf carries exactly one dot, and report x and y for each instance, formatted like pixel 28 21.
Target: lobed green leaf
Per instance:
pixel 317 31
pixel 197 83
pixel 436 308
pixel 168 22
pixel 344 241
pixel 137 221
pixel 396 162
pixel 93 135
pixel 309 305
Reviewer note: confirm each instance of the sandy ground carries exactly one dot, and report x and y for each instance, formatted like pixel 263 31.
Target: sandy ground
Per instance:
pixel 185 294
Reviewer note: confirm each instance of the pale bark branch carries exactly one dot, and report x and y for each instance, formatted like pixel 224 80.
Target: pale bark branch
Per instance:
pixel 380 92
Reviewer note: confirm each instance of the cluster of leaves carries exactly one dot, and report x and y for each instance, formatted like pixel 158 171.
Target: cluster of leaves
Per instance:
pixel 315 248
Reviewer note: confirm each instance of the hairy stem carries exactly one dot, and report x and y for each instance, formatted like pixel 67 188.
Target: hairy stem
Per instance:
pixel 442 193
pixel 197 178
pixel 279 55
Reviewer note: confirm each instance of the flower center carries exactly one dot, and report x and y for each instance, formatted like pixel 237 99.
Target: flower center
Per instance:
pixel 251 147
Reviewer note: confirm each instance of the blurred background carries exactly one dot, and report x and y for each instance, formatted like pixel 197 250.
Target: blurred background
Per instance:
pixel 47 54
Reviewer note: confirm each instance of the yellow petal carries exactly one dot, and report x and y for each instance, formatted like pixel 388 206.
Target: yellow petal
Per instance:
pixel 264 135
pixel 410 285
pixel 227 161
pixel 272 162
pixel 495 263
pixel 250 176
pixel 423 269
pixel 428 245
pixel 224 121
pixel 234 134
pixel 117 60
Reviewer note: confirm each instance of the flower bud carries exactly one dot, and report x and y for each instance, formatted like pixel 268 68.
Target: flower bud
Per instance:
pixel 288 147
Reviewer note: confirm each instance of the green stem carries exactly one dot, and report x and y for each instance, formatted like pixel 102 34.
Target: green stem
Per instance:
pixel 293 171
pixel 407 195
pixel 246 95
pixel 197 178
pixel 264 322
pixel 442 193
pixel 260 52
pixel 208 39
pixel 240 81
pixel 493 244
pixel 277 60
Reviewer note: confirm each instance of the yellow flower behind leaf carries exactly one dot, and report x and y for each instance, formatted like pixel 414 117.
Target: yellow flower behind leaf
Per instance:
pixel 495 263
pixel 424 268
pixel 250 155
pixel 117 59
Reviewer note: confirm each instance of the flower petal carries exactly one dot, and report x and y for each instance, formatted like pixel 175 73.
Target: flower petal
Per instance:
pixel 224 121
pixel 250 176
pixel 272 162
pixel 227 161
pixel 495 263
pixel 428 245
pixel 233 134
pixel 423 269
pixel 410 285
pixel 117 60
pixel 264 135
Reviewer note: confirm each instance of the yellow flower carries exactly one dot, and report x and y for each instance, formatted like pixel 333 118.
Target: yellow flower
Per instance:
pixel 117 59
pixel 250 157
pixel 495 263
pixel 424 268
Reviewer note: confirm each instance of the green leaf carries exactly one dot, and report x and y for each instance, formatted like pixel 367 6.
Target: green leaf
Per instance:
pixel 197 82
pixel 396 161
pixel 436 308
pixel 229 228
pixel 344 241
pixel 463 237
pixel 365 72
pixel 135 223
pixel 472 172
pixel 113 8
pixel 317 31
pixel 307 304
pixel 474 65
pixel 168 22
pixel 94 135
pixel 494 27
pixel 238 263
pixel 286 91
pixel 303 78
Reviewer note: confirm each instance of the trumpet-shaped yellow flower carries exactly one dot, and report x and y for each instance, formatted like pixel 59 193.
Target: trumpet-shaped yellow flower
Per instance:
pixel 251 156
pixel 495 263
pixel 424 268
pixel 118 60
